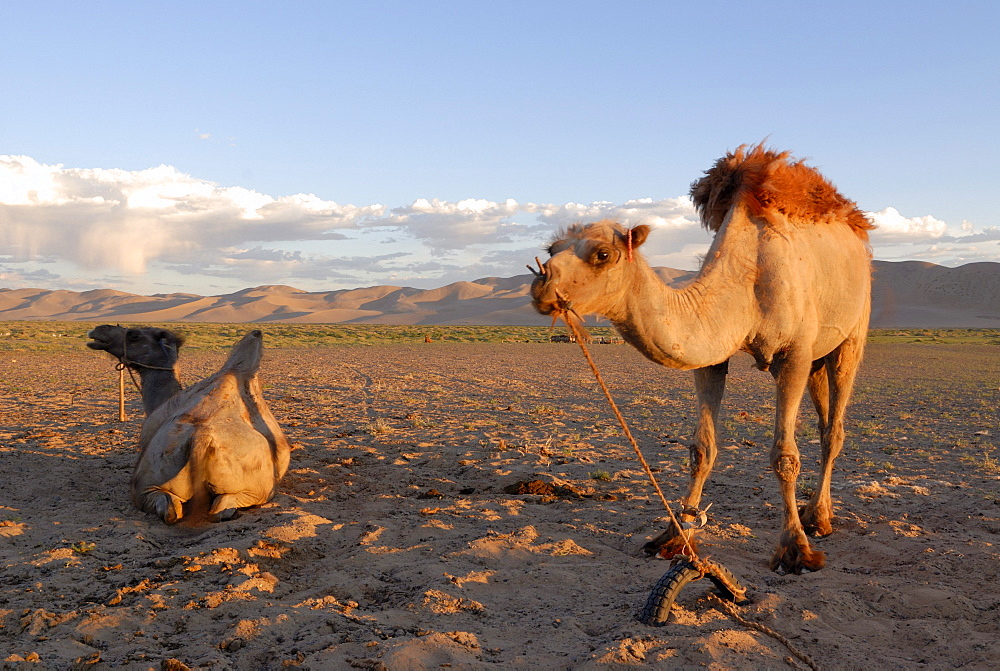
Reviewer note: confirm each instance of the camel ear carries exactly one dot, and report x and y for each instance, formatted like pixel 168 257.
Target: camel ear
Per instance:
pixel 168 339
pixel 639 234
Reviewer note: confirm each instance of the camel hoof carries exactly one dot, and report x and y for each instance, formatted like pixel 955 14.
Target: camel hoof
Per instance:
pixel 653 547
pixel 666 546
pixel 795 558
pixel 818 529
pixel 814 524
pixel 224 515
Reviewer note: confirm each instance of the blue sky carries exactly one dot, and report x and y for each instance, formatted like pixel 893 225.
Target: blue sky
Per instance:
pixel 206 147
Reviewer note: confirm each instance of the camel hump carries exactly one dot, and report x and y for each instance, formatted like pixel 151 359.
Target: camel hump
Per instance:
pixel 244 358
pixel 770 184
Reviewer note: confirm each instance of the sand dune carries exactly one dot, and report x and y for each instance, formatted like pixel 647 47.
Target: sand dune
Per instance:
pixel 906 294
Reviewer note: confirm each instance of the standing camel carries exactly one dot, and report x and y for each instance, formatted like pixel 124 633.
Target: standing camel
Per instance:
pixel 786 279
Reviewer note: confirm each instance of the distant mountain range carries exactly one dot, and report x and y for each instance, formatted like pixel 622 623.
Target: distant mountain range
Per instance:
pixel 906 294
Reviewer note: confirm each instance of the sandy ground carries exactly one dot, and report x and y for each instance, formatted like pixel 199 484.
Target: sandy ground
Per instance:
pixel 393 545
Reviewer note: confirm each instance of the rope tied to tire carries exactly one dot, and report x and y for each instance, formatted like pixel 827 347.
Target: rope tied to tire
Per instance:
pixel 687 566
pixel 572 320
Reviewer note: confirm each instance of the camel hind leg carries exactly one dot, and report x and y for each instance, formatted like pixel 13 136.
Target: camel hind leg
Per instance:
pixel 840 369
pixel 819 392
pixel 710 385
pixel 794 554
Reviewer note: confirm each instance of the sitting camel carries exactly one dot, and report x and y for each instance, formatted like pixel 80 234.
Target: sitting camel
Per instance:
pixel 212 448
pixel 787 279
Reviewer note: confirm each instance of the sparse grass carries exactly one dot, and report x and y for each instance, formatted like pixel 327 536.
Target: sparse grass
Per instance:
pixel 600 475
pixel 989 463
pixel 418 421
pixel 935 336
pixel 82 547
pixel 24 336
pixel 869 427
pixel 377 427
pixel 806 486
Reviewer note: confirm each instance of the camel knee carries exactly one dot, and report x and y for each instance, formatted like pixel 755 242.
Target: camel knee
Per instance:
pixel 786 467
pixel 835 436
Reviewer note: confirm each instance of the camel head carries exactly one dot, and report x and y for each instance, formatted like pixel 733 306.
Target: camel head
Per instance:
pixel 147 347
pixel 588 269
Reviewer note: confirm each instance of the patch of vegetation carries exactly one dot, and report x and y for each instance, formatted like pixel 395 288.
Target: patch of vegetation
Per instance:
pixel 28 336
pixel 83 547
pixel 23 336
pixel 377 427
pixel 936 336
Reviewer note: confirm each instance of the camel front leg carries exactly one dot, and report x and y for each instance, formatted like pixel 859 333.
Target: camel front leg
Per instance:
pixel 794 552
pixel 710 385
pixel 841 367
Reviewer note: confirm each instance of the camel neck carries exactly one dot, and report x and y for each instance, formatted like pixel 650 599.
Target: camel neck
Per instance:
pixel 700 324
pixel 157 387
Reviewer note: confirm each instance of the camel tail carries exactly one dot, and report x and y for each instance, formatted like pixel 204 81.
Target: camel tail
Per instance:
pixel 770 184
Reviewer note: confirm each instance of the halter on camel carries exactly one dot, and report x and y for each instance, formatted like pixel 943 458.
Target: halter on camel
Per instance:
pixel 124 363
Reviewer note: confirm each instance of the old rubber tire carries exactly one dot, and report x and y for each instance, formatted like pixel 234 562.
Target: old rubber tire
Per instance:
pixel 657 608
pixel 729 586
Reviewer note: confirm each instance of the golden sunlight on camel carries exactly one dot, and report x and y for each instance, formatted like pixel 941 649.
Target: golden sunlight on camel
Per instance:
pixel 787 279
pixel 207 450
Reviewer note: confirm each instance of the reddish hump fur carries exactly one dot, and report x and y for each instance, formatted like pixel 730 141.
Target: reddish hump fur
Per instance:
pixel 768 182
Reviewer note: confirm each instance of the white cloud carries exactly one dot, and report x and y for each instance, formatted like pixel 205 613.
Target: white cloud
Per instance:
pixel 164 228
pixel 125 220
pixel 677 213
pixel 894 227
pixel 443 225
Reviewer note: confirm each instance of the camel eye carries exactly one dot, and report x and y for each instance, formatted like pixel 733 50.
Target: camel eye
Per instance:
pixel 602 256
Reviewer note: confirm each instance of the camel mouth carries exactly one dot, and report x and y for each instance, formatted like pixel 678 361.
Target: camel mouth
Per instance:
pixel 547 308
pixel 97 342
pixel 105 336
pixel 547 299
pixel 543 304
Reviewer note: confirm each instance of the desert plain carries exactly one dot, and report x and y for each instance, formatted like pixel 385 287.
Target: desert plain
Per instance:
pixel 396 541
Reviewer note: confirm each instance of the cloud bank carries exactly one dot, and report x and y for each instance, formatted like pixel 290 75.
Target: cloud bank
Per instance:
pixel 163 230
